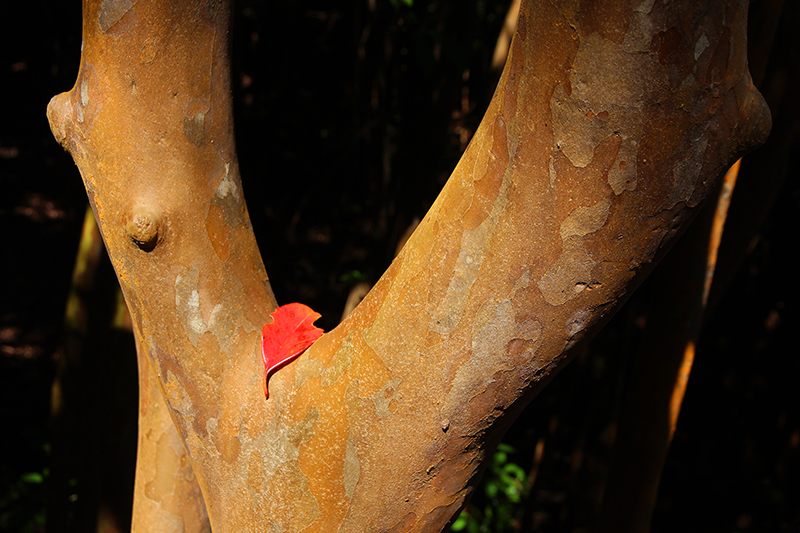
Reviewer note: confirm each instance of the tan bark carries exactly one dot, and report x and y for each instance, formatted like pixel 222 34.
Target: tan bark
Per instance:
pixel 609 126
pixel 166 495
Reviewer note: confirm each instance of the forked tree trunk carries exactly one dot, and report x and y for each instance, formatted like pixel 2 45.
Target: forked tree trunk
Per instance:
pixel 611 123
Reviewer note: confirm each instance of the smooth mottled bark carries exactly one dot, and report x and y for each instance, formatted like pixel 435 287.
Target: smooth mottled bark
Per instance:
pixel 166 494
pixel 610 124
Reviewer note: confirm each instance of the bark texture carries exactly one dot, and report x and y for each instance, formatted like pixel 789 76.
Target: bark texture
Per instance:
pixel 611 123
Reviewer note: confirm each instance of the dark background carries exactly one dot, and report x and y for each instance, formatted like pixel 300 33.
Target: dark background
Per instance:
pixel 350 116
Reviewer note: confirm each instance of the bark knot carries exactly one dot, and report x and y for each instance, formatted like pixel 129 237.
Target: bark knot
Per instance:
pixel 144 230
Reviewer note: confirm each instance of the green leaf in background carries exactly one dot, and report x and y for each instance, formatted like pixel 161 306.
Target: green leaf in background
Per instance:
pixel 33 477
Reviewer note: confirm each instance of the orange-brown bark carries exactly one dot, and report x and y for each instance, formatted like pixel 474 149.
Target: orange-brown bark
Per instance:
pixel 608 128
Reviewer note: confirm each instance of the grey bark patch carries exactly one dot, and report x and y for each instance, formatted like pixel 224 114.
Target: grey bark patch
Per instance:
pixel 194 120
pixel 385 395
pixel 493 327
pixel 685 172
pixel 446 316
pixel 187 304
pixel 341 360
pixel 278 451
pixel 585 220
pixel 352 467
pixel 569 275
pixel 111 11
pixel 88 100
pixel 610 88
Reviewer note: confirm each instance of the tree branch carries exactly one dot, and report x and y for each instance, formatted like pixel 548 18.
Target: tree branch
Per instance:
pixel 608 128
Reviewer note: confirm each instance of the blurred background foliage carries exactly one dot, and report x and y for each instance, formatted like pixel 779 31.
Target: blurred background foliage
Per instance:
pixel 350 116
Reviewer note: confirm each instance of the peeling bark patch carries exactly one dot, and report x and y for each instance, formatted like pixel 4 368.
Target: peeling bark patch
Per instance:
pixel 181 393
pixel 522 282
pixel 187 303
pixel 527 338
pixel 84 94
pixel 607 96
pixel 288 439
pixel 487 182
pixel 585 220
pixel 218 232
pixel 447 314
pixel 227 196
pixel 621 178
pixel 528 330
pixel 341 360
pixel 576 326
pixel 84 98
pixel 352 467
pixel 194 120
pixel 700 46
pixel 168 459
pixel 184 404
pixel 686 171
pixel 278 449
pixel 87 102
pixel 382 398
pixel 571 274
pixel 493 327
pixel 227 186
pixel 111 12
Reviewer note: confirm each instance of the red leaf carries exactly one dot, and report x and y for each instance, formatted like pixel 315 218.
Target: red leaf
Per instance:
pixel 290 333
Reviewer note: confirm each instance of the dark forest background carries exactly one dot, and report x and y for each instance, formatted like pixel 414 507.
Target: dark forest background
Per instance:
pixel 350 116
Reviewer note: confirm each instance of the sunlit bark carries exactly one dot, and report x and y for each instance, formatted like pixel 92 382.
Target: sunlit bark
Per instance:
pixel 610 125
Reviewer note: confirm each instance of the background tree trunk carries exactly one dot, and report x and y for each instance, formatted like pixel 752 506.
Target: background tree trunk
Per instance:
pixel 609 127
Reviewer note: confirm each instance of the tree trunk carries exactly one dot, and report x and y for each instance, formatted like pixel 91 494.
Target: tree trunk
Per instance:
pixel 609 126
